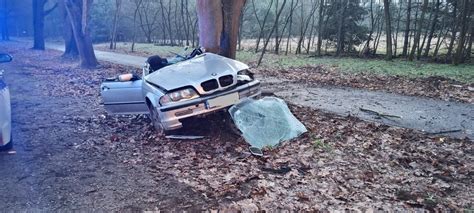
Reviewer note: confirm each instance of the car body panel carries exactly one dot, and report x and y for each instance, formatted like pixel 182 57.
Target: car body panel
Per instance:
pixel 123 97
pixel 5 114
pixel 194 71
pixel 137 97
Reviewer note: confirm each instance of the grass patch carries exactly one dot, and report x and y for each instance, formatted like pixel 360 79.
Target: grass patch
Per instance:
pixel 397 67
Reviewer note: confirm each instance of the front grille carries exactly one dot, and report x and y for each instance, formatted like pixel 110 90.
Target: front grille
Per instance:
pixel 209 85
pixel 226 80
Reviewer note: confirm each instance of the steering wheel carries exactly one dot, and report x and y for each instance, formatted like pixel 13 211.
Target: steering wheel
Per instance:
pixel 195 52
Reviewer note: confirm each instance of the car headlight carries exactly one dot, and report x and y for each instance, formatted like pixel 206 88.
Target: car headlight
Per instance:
pixel 178 95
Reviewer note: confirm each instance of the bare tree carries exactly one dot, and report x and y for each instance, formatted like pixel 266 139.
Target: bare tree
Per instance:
pixel 454 28
pixel 407 30
pixel 388 29
pixel 113 33
pixel 261 24
pixel 340 28
pixel 320 27
pixel 78 13
pixel 271 32
pixel 38 22
pixel 416 40
pixel 464 21
pixel 432 28
pixel 138 4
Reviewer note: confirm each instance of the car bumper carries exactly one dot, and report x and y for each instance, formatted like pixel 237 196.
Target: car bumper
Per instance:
pixel 171 115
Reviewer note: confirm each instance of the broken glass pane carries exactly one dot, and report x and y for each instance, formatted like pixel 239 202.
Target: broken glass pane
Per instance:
pixel 266 122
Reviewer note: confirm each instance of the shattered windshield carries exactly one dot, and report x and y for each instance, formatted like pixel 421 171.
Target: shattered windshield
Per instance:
pixel 266 122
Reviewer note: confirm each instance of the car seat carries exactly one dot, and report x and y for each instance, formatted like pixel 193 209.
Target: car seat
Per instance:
pixel 156 63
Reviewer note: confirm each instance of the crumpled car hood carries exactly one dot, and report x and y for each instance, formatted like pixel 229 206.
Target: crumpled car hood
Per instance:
pixel 195 71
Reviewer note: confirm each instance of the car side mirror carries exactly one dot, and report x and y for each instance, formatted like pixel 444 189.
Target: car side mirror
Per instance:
pixel 5 58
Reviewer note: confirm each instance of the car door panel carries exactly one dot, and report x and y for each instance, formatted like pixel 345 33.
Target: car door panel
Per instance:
pixel 123 97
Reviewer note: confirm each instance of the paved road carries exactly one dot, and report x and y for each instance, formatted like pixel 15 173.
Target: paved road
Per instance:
pixel 429 115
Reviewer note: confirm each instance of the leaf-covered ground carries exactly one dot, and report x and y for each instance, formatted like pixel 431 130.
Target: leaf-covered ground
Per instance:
pixel 341 163
pixel 322 75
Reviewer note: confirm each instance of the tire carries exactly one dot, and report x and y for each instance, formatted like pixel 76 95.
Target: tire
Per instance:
pixel 230 124
pixel 155 120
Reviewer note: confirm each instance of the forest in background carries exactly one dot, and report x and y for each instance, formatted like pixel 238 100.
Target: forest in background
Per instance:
pixel 429 30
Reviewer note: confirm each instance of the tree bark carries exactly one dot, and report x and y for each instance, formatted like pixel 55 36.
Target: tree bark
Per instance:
pixel 388 29
pixel 78 11
pixel 407 30
pixel 218 25
pixel 416 41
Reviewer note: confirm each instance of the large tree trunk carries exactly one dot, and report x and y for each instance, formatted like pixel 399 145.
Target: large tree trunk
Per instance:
pixel 218 25
pixel 78 11
pixel 388 29
pixel 38 23
pixel 70 47
pixel 407 30
pixel 416 41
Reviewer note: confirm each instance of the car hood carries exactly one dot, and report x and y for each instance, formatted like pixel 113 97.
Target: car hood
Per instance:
pixel 194 71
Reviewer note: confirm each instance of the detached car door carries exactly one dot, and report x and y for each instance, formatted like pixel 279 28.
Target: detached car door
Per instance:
pixel 123 97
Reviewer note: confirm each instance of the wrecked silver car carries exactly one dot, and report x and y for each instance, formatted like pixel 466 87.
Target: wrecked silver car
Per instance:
pixel 181 87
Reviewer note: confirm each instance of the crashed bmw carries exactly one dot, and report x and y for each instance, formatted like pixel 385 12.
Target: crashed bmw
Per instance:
pixel 171 90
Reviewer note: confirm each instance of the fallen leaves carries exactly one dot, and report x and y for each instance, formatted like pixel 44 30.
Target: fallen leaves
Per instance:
pixel 341 163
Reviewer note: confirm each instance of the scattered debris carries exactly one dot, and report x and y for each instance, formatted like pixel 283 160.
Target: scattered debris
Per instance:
pixel 445 131
pixel 266 122
pixel 378 114
pixel 256 151
pixel 184 137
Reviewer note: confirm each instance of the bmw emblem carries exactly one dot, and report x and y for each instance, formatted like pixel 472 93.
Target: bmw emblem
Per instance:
pixel 214 74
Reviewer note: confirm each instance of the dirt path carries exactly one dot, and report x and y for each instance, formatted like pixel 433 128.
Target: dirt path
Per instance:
pixel 50 171
pixel 424 114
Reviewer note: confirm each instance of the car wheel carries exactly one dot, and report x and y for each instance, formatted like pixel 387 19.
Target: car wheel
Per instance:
pixel 155 120
pixel 231 125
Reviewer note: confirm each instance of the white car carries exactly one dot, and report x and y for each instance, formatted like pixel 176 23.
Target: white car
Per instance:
pixel 5 109
pixel 181 87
